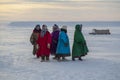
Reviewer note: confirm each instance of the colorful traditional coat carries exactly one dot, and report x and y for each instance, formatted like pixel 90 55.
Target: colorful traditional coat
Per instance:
pixel 43 42
pixel 33 40
pixel 63 47
pixel 79 46
pixel 55 36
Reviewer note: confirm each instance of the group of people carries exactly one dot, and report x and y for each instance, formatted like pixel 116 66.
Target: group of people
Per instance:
pixel 57 43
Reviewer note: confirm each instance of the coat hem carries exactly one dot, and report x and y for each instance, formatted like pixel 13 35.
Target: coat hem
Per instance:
pixel 79 56
pixel 61 55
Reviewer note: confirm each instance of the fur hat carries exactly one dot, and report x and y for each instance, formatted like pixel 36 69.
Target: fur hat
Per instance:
pixel 64 27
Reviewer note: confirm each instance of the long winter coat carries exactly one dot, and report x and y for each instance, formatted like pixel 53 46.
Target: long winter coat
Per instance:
pixel 79 46
pixel 63 47
pixel 42 42
pixel 33 39
pixel 55 36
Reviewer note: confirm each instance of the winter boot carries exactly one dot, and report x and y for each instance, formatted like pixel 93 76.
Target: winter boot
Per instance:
pixel 64 59
pixel 43 59
pixel 80 58
pixel 58 58
pixel 73 58
pixel 47 58
pixel 55 57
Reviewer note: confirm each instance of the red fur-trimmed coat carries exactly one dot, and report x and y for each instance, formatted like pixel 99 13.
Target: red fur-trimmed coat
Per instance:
pixel 43 42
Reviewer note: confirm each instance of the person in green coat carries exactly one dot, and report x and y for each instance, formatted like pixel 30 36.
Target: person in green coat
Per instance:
pixel 79 46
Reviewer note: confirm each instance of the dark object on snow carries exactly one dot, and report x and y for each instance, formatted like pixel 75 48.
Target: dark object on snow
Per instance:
pixel 104 31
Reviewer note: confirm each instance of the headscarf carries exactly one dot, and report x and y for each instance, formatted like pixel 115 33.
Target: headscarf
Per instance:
pixel 44 30
pixel 37 30
pixel 55 27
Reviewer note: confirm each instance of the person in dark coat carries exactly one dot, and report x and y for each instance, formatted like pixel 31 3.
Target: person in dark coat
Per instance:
pixel 55 36
pixel 63 47
pixel 34 37
pixel 44 41
pixel 79 46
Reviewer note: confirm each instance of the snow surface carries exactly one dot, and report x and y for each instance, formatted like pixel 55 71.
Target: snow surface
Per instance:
pixel 18 63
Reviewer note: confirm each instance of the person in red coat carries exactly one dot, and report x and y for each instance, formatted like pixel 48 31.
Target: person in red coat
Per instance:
pixel 44 41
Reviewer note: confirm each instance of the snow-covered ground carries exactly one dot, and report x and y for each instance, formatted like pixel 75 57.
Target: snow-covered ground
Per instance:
pixel 18 63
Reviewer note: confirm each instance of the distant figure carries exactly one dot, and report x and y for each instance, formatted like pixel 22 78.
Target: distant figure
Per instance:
pixel 55 36
pixel 79 46
pixel 34 37
pixel 63 47
pixel 44 41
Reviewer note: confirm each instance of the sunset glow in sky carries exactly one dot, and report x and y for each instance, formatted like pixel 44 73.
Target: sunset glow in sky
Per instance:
pixel 59 10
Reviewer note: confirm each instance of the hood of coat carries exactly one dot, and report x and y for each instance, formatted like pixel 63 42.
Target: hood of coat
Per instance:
pixel 78 27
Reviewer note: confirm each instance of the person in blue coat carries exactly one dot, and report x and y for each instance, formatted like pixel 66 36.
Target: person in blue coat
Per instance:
pixel 63 47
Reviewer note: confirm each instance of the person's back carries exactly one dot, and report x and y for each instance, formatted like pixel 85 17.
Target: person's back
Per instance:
pixel 79 46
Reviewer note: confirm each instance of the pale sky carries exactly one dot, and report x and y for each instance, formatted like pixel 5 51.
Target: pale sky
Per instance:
pixel 59 10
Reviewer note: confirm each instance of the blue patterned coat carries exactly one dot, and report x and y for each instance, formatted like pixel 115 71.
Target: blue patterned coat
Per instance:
pixel 63 47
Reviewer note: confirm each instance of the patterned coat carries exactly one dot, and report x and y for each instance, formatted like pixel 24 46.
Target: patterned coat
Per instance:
pixel 33 39
pixel 63 47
